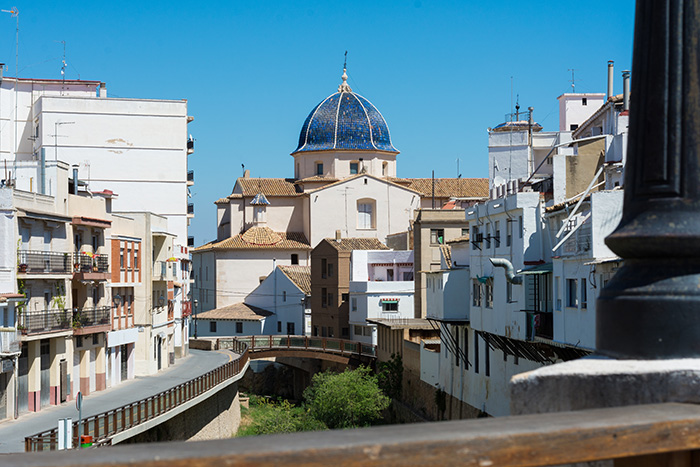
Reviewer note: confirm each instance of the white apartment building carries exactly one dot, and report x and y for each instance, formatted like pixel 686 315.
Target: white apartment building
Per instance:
pixel 381 287
pixel 136 148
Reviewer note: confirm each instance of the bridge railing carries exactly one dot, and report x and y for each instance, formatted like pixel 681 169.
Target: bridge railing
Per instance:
pixel 317 344
pixel 107 424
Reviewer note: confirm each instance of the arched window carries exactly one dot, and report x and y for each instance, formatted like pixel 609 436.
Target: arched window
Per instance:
pixel 366 213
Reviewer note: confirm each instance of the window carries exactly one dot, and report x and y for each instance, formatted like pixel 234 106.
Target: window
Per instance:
pixel 95 242
pixel 475 238
pixel 437 236
pixel 487 359
pixel 385 166
pixel 295 258
pixel 95 339
pixel 324 268
pixel 584 295
pixel 357 330
pixel 354 166
pixel 487 236
pixel 324 297
pixel 509 232
pixel 345 297
pixel 476 352
pixel 136 257
pixel 465 232
pixel 284 295
pixel 390 305
pixel 557 299
pixel 290 329
pixel 319 168
pixel 212 326
pixel 497 234
pixel 330 300
pixel 121 258
pixel 407 276
pixel 584 101
pixel 330 269
pixel 573 127
pixel 128 258
pixel 571 293
pixel 520 226
pixel 476 293
pixel 239 328
pixel 365 214
pixel 279 326
pixel 466 348
pixel 389 275
pixel 353 304
pixel 345 332
pixel 315 331
pixel 489 294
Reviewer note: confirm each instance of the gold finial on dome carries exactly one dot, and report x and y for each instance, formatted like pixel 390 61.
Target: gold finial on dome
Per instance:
pixel 344 86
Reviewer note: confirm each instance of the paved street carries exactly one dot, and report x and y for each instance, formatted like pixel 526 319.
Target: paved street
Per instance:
pixel 12 432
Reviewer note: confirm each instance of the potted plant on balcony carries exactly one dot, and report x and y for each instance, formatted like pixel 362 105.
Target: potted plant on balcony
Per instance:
pixel 22 267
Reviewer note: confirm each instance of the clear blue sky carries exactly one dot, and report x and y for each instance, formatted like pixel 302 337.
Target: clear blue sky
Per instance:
pixel 439 71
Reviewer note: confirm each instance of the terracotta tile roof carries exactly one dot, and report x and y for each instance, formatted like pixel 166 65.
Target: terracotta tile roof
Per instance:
pixel 447 254
pixel 463 238
pixel 268 186
pixel 317 178
pixel 300 275
pixel 222 200
pixel 448 187
pixel 393 181
pixel 259 238
pixel 237 311
pixel 350 244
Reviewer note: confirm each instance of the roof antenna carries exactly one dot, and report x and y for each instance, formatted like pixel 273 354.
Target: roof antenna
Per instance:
pixel 573 82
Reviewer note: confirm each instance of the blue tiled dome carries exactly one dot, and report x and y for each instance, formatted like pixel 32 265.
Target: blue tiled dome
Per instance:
pixel 345 120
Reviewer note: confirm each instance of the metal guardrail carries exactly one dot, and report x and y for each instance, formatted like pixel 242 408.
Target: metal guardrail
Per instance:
pixel 58 320
pixel 317 344
pixel 107 424
pixel 44 262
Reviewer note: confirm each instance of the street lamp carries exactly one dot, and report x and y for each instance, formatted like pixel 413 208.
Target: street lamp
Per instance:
pixel 195 318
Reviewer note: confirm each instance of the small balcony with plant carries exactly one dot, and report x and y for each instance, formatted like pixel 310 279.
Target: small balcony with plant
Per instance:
pixel 30 262
pixel 90 266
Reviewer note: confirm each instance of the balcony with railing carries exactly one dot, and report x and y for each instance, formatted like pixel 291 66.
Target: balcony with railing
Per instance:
pixel 91 319
pixel 164 271
pixel 190 209
pixel 89 266
pixel 190 145
pixel 190 177
pixel 82 320
pixel 540 324
pixel 43 262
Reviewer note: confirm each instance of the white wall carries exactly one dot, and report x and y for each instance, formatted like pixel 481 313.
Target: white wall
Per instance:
pixel 8 243
pixel 573 112
pixel 228 328
pixel 335 208
pixel 448 294
pixel 279 295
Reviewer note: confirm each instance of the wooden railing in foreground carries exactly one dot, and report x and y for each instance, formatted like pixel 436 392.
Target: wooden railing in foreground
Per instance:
pixel 106 424
pixel 315 344
pixel 641 436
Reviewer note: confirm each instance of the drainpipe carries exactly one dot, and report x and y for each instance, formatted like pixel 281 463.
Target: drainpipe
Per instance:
pixel 509 270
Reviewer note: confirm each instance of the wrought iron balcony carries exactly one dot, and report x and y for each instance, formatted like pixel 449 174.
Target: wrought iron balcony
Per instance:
pixel 190 145
pixel 190 209
pixel 84 262
pixel 43 262
pixel 36 322
pixel 190 177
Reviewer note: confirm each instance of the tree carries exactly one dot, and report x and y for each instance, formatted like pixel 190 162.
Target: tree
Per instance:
pixel 346 400
pixel 390 376
pixel 279 417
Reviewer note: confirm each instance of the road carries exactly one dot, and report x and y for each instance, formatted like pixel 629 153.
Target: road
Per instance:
pixel 13 432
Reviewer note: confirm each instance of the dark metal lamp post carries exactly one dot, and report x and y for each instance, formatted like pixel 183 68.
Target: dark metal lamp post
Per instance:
pixel 651 307
pixel 195 318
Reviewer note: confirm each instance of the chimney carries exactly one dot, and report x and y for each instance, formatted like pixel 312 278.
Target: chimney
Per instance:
pixel 337 235
pixel 626 90
pixel 610 78
pixel 246 174
pixel 103 90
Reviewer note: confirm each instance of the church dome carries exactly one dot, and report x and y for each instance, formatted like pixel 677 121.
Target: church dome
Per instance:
pixel 345 120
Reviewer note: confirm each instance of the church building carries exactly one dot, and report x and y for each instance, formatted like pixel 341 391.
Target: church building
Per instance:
pixel 345 184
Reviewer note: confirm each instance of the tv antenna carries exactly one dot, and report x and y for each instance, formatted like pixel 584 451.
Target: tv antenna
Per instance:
pixel 573 81
pixel 63 65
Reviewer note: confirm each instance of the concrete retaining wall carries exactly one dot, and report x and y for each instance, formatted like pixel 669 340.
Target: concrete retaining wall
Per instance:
pixel 216 417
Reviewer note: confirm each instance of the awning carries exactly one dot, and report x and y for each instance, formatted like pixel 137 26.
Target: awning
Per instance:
pixel 545 268
pixel 389 300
